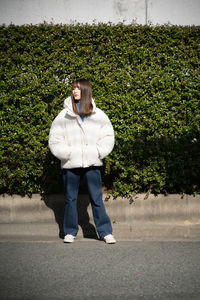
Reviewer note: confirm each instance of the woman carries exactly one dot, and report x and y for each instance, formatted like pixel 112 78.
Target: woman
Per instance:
pixel 81 136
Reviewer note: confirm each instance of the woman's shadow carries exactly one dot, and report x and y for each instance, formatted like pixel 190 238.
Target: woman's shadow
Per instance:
pixel 56 202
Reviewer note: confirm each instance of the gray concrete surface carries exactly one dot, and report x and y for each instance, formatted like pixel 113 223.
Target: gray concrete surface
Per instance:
pixel 179 12
pixel 152 217
pixel 94 270
pixel 51 231
pixel 173 208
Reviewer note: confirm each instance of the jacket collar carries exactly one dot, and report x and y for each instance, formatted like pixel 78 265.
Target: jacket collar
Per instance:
pixel 69 108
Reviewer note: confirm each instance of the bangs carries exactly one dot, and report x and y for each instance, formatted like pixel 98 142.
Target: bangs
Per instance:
pixel 76 84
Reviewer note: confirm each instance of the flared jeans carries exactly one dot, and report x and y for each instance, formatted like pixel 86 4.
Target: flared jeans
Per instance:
pixel 92 177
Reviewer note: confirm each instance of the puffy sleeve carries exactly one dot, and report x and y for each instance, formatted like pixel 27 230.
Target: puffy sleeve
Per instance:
pixel 57 141
pixel 106 139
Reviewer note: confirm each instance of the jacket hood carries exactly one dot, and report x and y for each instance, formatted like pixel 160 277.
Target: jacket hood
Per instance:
pixel 68 106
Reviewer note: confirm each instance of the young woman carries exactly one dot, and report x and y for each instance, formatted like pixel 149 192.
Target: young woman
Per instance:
pixel 81 136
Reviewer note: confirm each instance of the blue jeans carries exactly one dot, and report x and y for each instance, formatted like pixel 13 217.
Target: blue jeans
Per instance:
pixel 92 177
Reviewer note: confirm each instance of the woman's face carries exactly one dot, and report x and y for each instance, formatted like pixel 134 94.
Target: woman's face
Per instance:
pixel 76 91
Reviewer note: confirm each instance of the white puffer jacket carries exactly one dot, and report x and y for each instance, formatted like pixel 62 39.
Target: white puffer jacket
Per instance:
pixel 81 144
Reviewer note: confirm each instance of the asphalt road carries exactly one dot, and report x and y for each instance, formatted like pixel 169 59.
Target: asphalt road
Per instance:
pixel 91 269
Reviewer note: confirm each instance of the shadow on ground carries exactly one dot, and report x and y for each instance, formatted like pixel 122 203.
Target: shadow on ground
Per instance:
pixel 57 204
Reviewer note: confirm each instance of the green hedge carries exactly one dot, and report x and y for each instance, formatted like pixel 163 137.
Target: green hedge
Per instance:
pixel 147 79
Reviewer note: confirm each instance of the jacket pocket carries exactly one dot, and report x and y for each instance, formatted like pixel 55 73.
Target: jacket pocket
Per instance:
pixel 92 154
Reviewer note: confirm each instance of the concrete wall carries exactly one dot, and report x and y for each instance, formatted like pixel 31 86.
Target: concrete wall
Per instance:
pixel 178 12
pixel 171 209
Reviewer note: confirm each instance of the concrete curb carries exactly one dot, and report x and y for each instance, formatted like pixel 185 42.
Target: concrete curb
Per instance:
pixel 159 217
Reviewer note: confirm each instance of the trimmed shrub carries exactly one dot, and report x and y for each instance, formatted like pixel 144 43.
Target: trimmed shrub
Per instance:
pixel 147 80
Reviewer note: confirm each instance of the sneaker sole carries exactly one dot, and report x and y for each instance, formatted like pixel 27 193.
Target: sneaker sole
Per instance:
pixel 110 242
pixel 68 242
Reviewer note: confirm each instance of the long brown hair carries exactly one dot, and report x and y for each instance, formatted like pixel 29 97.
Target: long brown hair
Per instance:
pixel 86 106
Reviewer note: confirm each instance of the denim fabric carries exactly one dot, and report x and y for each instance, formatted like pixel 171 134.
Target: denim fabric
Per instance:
pixel 92 177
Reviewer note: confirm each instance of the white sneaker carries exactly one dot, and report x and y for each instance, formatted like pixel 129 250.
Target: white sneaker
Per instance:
pixel 109 239
pixel 69 238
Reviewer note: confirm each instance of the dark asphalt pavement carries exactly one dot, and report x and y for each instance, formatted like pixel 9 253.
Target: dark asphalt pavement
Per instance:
pixel 90 269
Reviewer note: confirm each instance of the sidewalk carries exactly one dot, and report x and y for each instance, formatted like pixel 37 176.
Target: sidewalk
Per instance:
pixel 50 232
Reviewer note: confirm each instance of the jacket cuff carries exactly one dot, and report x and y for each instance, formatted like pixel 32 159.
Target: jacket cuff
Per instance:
pixel 103 152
